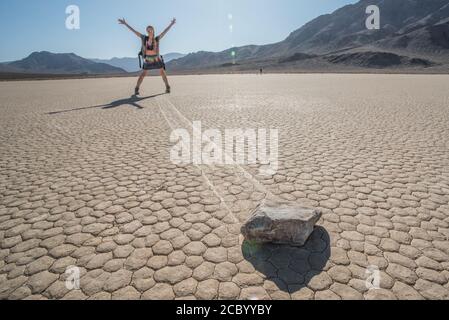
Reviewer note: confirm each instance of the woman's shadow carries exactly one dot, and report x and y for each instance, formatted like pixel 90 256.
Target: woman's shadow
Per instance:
pixel 132 101
pixel 290 268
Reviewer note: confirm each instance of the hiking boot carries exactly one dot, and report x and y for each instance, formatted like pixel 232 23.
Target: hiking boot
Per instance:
pixel 168 89
pixel 136 91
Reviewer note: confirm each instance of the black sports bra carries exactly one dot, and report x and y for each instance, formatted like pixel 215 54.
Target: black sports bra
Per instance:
pixel 152 45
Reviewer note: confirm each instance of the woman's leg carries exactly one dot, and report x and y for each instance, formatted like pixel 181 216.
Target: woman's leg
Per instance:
pixel 141 77
pixel 164 77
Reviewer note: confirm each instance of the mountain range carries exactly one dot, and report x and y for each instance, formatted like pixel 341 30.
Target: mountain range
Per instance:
pixel 413 33
pixel 45 62
pixel 413 36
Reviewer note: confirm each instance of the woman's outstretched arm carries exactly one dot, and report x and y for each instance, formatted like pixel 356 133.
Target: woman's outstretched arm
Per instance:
pixel 167 29
pixel 123 21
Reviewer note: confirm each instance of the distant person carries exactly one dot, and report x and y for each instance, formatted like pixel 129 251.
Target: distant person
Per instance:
pixel 150 53
pixel 261 71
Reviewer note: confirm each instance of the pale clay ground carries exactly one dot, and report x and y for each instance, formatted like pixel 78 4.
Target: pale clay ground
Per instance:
pixel 94 187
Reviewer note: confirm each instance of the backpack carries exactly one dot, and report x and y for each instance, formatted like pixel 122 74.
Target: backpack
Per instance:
pixel 141 53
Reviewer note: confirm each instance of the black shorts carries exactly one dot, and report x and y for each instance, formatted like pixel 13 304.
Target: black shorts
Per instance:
pixel 153 63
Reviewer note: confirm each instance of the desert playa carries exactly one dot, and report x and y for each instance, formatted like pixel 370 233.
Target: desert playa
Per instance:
pixel 86 180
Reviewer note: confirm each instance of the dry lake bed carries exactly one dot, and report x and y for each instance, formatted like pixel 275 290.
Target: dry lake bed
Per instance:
pixel 88 188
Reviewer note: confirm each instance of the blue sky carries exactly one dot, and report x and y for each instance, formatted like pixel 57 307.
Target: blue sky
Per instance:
pixel 39 25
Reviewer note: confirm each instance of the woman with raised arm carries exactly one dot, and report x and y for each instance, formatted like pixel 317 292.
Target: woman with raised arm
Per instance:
pixel 150 53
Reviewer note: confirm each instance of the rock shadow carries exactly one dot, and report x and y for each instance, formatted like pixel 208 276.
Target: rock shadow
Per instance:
pixel 290 268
